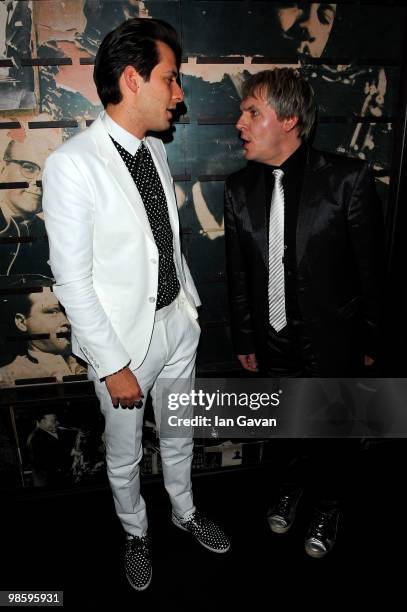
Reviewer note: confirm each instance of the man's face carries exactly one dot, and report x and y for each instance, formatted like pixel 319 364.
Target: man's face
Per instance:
pixel 45 317
pixel 262 133
pixel 308 26
pixel 159 96
pixel 23 164
pixel 49 422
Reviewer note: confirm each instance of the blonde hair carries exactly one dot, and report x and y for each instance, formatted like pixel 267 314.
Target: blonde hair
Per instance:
pixel 288 93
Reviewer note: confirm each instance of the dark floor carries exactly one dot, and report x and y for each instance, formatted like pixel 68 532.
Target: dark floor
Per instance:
pixel 74 543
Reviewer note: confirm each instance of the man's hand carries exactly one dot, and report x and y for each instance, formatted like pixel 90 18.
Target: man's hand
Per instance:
pixel 124 389
pixel 249 362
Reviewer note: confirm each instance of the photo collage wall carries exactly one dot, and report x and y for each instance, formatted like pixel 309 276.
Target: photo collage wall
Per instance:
pixel 47 94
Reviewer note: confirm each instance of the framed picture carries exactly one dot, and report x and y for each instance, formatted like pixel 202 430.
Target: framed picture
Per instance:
pixel 9 460
pixel 18 82
pixel 60 442
pixel 35 335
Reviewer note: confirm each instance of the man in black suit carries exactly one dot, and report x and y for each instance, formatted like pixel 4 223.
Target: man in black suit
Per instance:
pixel 303 246
pixel 51 451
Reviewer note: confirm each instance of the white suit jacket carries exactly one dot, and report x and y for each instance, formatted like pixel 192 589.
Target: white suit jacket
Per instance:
pixel 102 252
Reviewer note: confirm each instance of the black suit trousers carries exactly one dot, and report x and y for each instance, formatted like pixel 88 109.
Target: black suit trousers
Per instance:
pixel 323 467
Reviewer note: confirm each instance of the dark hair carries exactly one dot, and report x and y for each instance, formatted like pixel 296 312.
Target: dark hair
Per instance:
pixel 42 412
pixel 288 93
pixel 133 43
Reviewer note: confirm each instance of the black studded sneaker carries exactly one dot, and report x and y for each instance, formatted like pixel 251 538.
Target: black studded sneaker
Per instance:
pixel 137 561
pixel 321 535
pixel 205 531
pixel 281 516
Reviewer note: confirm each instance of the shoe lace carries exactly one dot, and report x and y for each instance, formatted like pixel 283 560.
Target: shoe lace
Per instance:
pixel 196 519
pixel 139 543
pixel 320 523
pixel 283 504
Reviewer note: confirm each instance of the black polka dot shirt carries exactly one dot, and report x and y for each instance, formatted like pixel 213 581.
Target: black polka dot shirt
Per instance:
pixel 144 173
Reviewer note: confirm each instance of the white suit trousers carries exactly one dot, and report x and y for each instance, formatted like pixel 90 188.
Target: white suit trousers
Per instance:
pixel 171 355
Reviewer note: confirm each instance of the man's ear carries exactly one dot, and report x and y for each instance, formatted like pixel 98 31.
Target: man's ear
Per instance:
pixel 290 123
pixel 131 79
pixel 20 321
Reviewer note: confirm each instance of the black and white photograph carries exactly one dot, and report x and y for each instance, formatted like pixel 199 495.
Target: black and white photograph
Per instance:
pixel 23 238
pixel 35 334
pixel 18 84
pixel 60 446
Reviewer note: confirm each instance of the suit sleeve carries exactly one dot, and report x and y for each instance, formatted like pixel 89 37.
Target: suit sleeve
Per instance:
pixel 242 333
pixel 365 222
pixel 69 218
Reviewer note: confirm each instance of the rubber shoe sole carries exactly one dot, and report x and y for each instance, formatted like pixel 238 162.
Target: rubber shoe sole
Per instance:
pixel 277 527
pixel 143 588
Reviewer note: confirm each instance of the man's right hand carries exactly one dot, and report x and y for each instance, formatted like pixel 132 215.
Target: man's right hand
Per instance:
pixel 123 388
pixel 249 362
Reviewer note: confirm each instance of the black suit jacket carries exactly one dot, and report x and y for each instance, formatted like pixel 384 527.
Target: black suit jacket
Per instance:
pixel 50 457
pixel 339 257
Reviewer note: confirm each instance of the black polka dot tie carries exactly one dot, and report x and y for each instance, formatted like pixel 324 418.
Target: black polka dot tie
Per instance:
pixel 144 173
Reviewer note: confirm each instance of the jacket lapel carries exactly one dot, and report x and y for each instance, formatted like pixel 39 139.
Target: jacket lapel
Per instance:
pixel 310 201
pixel 166 182
pixel 255 191
pixel 120 175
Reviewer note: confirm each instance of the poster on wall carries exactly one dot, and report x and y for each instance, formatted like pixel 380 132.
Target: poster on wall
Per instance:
pixel 60 444
pixel 35 333
pixel 341 49
pixel 75 30
pixel 18 83
pixel 23 239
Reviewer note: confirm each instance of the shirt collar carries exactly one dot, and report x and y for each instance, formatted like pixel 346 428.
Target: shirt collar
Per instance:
pixel 293 164
pixel 123 137
pixel 296 161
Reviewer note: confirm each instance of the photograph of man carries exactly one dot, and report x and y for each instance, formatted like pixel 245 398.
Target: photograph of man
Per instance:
pixel 316 30
pixel 27 250
pixel 51 450
pixel 112 222
pixel 45 348
pixel 17 87
pixel 306 27
pixel 304 259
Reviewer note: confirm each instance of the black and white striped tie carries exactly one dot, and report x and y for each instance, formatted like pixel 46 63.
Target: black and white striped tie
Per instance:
pixel 276 290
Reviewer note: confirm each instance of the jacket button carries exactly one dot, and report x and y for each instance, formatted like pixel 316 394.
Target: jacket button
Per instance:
pixel 151 299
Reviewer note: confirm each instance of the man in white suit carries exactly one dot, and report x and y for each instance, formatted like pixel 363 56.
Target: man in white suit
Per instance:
pixel 112 222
